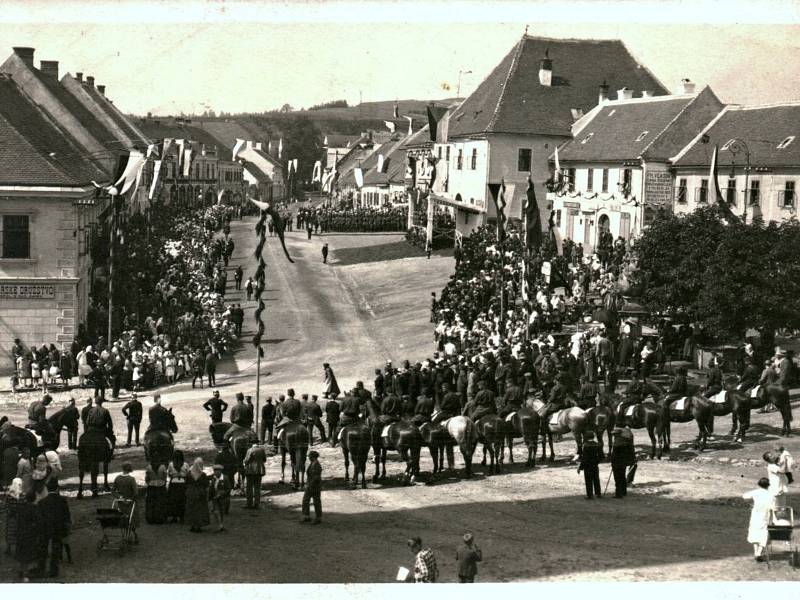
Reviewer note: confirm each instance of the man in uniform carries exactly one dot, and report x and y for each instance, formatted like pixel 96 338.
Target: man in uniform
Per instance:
pixel 750 375
pixel 132 412
pixel 216 406
pixel 292 411
pixel 239 417
pixel 378 385
pixel 587 394
pixel 99 419
pixel 679 387
pixel 449 405
pixel 714 383
pixel 634 394
pixel 254 470
pixel 85 412
pixel 37 411
pixel 622 456
pixel 251 411
pixel 158 416
pixel 484 403
pixel 423 410
pixel 351 408
pixel 325 253
pixel 512 399
pixel 332 411
pixel 314 417
pixel 391 408
pixel 71 411
pixel 267 421
pixel 590 465
pixel 555 402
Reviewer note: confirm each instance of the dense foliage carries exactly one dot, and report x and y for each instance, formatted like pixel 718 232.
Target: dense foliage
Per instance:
pixel 726 277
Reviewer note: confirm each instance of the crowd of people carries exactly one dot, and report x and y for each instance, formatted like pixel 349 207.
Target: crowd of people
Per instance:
pixel 357 220
pixel 189 328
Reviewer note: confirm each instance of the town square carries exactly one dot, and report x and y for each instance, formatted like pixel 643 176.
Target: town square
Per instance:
pixel 262 325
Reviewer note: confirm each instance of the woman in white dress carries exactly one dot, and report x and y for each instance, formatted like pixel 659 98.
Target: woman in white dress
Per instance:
pixel 763 503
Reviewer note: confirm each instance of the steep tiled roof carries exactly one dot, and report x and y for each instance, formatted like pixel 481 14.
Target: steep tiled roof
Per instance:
pixel 762 129
pixel 256 172
pixel 335 140
pixel 395 154
pixel 113 112
pixel 511 99
pixel 84 116
pixel 35 152
pixel 157 129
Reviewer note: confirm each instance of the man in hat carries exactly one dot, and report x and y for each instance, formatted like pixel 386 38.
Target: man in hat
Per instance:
pixel 378 385
pixel 313 489
pixel 85 411
pixel 219 496
pixel 484 403
pixel 314 415
pixel 332 413
pixel 634 394
pixel 512 399
pixel 251 411
pixel 99 419
pixel 254 470
pixel 216 406
pixel 132 411
pixel 449 405
pixel 622 457
pixel 267 421
pixel 714 382
pixel 37 411
pixel 292 410
pixel 158 415
pixel 679 387
pixel 468 555
pixel 239 417
pixel 590 465
pixel 72 415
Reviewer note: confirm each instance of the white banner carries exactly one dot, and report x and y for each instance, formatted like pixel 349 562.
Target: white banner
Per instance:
pixel 156 171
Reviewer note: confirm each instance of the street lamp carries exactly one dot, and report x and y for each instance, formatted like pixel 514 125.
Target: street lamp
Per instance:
pixel 735 146
pixel 458 88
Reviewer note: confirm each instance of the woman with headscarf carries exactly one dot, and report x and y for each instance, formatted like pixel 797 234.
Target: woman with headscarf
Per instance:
pixel 13 499
pixel 331 387
pixel 197 497
pixel 178 471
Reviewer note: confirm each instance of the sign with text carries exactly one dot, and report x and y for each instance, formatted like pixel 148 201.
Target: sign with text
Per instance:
pixel 27 291
pixel 658 187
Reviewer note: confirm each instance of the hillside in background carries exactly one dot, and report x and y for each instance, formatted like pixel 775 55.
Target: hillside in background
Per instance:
pixel 271 125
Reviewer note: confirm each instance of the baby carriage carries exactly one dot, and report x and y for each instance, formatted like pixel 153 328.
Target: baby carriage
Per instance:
pixel 117 524
pixel 781 531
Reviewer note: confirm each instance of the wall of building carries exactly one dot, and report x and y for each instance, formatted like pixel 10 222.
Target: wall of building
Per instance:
pixel 466 184
pixel 771 186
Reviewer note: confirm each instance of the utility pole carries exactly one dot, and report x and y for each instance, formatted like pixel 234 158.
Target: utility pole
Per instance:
pixel 112 238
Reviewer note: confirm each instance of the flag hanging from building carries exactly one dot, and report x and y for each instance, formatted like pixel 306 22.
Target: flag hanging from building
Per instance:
pixel 280 148
pixel 380 163
pixel 138 176
pixel 180 144
pixel 166 147
pixel 128 177
pixel 555 233
pixel 317 173
pixel 500 206
pixel 533 220
pixel 156 172
pixel 390 126
pixel 359 175
pixel 720 200
pixel 277 220
pixel 187 161
pixel 410 123
pixel 220 194
pixel 294 166
pixel 236 148
pixel 151 148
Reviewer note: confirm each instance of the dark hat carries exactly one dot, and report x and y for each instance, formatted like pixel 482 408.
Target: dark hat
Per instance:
pixel 467 538
pixel 216 393
pixel 248 397
pixel 239 396
pixel 314 397
pixel 305 396
pixel 313 454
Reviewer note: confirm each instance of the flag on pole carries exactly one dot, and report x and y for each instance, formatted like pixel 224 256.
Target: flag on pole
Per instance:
pixel 555 233
pixel 720 200
pixel 280 147
pixel 359 178
pixel 156 171
pixel 294 166
pixel 380 163
pixel 533 220
pixel 410 123
pixel 236 148
pixel 396 110
pixel 390 126
pixel 187 161
pixel 524 276
pixel 500 205
pixel 317 173
pixel 135 160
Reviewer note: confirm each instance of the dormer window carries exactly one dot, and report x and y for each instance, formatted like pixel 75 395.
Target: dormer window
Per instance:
pixel 587 138
pixel 642 136
pixel 786 142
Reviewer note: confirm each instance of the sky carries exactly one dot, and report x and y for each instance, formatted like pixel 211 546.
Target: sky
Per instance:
pixel 249 56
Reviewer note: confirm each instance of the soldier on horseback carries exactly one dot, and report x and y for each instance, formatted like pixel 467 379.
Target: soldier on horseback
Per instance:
pixel 37 411
pixel 291 409
pixel 390 410
pixel 449 405
pixel 99 419
pixel 679 387
pixel 159 416
pixel 587 393
pixel 714 384
pixel 634 394
pixel 484 403
pixel 423 410
pixel 240 418
pixel 555 402
pixel 750 376
pixel 512 399
pixel 350 411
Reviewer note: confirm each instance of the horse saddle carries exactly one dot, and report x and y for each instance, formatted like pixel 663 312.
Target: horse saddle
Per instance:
pixel 554 417
pixel 385 431
pixel 510 416
pixel 679 404
pixel 629 411
pixel 719 398
pixel 341 433
pixel 754 391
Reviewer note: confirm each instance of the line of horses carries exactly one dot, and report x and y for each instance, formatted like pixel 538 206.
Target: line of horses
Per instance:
pixel 655 415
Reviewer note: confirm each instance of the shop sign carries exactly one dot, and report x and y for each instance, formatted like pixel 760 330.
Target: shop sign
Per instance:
pixel 27 291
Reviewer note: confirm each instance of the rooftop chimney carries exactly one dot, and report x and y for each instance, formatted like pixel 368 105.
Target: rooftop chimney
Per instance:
pixel 258 145
pixel 685 87
pixel 647 94
pixel 602 94
pixel 546 70
pixel 101 89
pixel 79 76
pixel 624 94
pixel 26 54
pixel 90 80
pixel 49 67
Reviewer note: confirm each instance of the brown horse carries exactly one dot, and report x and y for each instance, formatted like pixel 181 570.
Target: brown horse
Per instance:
pixel 492 431
pixel 293 439
pixel 764 394
pixel 645 415
pixel 600 419
pixel 683 410
pixel 568 420
pixel 356 440
pixel 436 438
pixel 402 436
pixel 523 423
pixel 63 419
pixel 94 448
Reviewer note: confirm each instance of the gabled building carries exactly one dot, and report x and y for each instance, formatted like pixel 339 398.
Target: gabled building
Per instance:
pixel 758 163
pixel 616 169
pixel 335 147
pixel 264 171
pixel 47 211
pixel 387 185
pixel 510 125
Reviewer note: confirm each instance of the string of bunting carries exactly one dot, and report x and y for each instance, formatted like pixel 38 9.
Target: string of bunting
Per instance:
pixel 260 279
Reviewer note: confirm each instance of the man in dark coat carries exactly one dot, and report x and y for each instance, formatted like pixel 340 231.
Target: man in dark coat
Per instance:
pixel 216 406
pixel 267 421
pixel 484 403
pixel 634 394
pixel 99 419
pixel 332 412
pixel 56 525
pixel 158 416
pixel 239 412
pixel 749 376
pixel 714 383
pixel 251 411
pixel 292 410
pixel 211 369
pixel 679 387
pixel 622 456
pixel 378 385
pixel 314 418
pixel 391 408
pixel 449 405
pixel 85 412
pixel 512 398
pixel 325 253
pixel 468 555
pixel 37 411
pixel 590 465
pixel 73 416
pixel 132 412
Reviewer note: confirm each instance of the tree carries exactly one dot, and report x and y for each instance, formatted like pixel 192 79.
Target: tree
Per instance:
pixel 286 108
pixel 303 141
pixel 728 278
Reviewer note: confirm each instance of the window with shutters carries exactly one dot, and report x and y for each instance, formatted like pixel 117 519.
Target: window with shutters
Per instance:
pixel 605 180
pixel 590 180
pixel 16 236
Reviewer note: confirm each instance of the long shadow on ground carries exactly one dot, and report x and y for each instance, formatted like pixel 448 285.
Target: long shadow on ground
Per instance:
pixel 379 253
